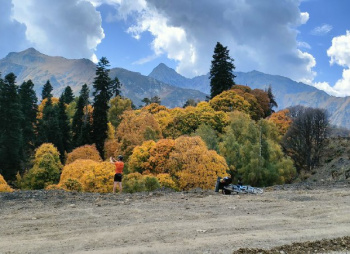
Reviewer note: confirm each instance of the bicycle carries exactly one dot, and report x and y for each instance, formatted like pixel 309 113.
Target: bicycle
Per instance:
pixel 225 184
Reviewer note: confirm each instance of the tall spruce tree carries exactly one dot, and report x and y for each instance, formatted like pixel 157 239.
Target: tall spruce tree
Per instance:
pixel 104 88
pixel 68 95
pixel 49 125
pixel 221 71
pixel 64 127
pixel 10 128
pixel 81 127
pixel 29 108
pixel 47 90
pixel 272 102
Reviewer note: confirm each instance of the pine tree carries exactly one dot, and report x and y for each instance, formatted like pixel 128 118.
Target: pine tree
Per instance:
pixel 81 127
pixel 104 89
pixel 29 108
pixel 47 91
pixel 68 95
pixel 64 127
pixel 49 125
pixel 272 102
pixel 10 128
pixel 221 71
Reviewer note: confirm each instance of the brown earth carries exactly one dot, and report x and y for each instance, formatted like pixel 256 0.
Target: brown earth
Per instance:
pixel 313 216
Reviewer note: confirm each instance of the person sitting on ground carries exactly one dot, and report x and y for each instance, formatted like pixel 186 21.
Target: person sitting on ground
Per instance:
pixel 223 182
pixel 119 166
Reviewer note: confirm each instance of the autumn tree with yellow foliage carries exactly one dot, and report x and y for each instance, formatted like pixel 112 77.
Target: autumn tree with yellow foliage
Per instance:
pixel 4 187
pixel 46 170
pixel 86 152
pixel 87 176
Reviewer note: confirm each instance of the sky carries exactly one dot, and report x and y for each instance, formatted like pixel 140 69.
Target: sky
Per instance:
pixel 305 40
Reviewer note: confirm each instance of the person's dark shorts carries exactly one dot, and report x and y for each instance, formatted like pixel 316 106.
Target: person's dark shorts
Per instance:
pixel 118 177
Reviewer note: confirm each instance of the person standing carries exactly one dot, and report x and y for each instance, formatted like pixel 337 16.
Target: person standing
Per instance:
pixel 119 166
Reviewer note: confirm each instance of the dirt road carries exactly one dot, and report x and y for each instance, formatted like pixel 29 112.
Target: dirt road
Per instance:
pixel 167 222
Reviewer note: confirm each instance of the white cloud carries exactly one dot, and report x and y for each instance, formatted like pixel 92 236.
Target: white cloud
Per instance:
pixel 322 30
pixel 304 17
pixel 339 53
pixel 69 28
pixel 324 86
pixel 260 35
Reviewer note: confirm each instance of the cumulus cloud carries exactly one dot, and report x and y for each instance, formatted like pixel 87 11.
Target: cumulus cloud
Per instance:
pixel 260 35
pixel 339 53
pixel 13 36
pixel 322 30
pixel 70 28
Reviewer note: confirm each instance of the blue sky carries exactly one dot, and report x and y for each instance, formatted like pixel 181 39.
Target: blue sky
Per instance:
pixel 305 40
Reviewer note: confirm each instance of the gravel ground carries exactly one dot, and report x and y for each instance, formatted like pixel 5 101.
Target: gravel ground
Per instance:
pixel 299 218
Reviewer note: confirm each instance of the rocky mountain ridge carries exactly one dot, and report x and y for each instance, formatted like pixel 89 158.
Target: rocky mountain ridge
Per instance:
pixel 164 82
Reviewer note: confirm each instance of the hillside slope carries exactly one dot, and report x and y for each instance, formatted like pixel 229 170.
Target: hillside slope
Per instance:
pixel 287 92
pixel 31 64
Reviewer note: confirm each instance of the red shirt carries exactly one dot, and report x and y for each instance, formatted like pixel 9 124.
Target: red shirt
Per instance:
pixel 119 166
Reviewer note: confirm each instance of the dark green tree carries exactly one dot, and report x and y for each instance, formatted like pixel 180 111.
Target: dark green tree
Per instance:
pixel 104 87
pixel 272 103
pixel 10 128
pixel 306 138
pixel 116 87
pixel 68 95
pixel 49 126
pixel 81 126
pixel 29 108
pixel 64 127
pixel 221 71
pixel 47 90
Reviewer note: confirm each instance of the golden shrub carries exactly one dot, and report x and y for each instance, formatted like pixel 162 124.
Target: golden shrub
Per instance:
pixel 139 160
pixel 53 187
pixel 165 180
pixel 86 152
pixel 91 175
pixel 4 187
pixel 194 165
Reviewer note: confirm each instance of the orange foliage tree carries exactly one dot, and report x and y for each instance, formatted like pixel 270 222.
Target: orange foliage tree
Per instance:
pixel 193 165
pixel 282 120
pixel 136 127
pixel 87 176
pixel 184 163
pixel 88 152
pixel 4 187
pixel 244 99
pixel 151 157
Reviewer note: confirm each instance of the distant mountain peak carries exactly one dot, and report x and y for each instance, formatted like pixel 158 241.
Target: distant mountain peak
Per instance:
pixel 28 56
pixel 162 68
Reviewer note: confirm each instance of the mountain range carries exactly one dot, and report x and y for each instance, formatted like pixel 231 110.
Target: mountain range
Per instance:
pixel 172 88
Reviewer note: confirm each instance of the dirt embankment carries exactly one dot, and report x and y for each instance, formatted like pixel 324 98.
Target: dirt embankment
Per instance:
pixel 167 222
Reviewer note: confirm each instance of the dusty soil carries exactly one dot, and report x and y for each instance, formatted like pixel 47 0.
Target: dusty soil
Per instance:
pixel 313 216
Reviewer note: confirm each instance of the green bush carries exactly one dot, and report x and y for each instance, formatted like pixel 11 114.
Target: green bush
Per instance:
pixel 72 185
pixel 46 170
pixel 151 183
